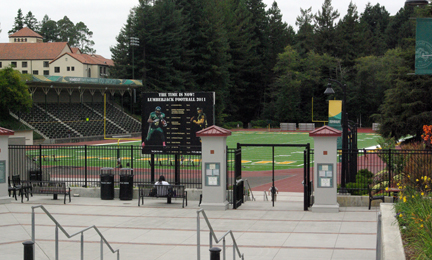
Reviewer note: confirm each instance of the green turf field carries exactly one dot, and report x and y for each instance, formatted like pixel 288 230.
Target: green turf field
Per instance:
pixel 253 158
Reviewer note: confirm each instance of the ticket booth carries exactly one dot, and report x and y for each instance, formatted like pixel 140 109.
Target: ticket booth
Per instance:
pixel 4 169
pixel 325 178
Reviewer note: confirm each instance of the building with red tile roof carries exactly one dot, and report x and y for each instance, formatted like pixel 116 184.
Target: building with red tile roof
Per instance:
pixel 27 52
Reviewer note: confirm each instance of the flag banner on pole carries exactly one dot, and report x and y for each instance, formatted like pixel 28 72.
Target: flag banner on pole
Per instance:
pixel 335 118
pixel 423 50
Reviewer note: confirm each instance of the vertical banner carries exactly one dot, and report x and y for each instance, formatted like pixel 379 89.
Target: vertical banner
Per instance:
pixel 423 49
pixel 170 121
pixel 335 118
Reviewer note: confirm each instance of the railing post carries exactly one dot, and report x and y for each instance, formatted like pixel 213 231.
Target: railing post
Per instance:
pixel 390 170
pixel 33 230
pixel 215 253
pixel 224 248
pixel 198 236
pixel 82 245
pixel 101 249
pixel 28 250
pixel 56 243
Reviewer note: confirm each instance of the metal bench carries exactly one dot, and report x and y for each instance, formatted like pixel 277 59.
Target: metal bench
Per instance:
pixel 49 187
pixel 161 191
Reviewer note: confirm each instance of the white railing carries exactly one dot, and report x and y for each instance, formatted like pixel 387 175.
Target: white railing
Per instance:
pixel 58 226
pixel 213 236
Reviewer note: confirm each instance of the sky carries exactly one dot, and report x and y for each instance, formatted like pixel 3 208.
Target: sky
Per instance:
pixel 105 18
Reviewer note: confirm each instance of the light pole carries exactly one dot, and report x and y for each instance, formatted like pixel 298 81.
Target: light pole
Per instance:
pixel 134 41
pixel 344 171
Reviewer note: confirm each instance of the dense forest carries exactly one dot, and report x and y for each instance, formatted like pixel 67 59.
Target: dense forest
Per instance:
pixel 262 69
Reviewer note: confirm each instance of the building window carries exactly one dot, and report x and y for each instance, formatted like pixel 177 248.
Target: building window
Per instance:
pixel 0 64
pixel 35 72
pixel 101 71
pixel 15 40
pixel 57 69
pixel 68 68
pixel 14 64
pixel 46 64
pixel 73 68
pixel 24 72
pixel 46 72
pixel 24 64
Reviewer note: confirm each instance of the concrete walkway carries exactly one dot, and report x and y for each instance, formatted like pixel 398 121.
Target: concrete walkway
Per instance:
pixel 160 231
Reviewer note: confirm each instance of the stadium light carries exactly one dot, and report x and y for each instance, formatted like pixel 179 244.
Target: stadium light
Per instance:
pixel 416 2
pixel 134 41
pixel 344 170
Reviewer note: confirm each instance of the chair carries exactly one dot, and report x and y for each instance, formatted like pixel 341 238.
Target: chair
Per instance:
pixel 371 197
pixel 23 189
pixel 11 189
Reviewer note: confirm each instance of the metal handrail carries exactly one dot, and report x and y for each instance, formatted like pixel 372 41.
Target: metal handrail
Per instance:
pixel 265 196
pixel 213 236
pixel 58 226
pixel 250 189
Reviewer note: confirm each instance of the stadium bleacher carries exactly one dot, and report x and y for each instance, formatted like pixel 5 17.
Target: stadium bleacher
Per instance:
pixel 65 120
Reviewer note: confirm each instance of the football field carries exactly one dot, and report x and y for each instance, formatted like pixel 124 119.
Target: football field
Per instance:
pixel 253 158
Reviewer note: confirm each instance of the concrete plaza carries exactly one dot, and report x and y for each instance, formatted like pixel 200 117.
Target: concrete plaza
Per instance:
pixel 160 231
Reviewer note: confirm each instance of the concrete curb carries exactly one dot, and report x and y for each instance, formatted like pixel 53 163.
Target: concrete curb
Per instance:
pixel 391 240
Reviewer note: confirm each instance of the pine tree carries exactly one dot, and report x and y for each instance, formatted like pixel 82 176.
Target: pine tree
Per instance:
pixel 31 22
pixel 305 35
pixel 325 31
pixel 19 22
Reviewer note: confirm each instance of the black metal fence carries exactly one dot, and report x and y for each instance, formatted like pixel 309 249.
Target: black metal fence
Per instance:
pixel 382 168
pixel 80 165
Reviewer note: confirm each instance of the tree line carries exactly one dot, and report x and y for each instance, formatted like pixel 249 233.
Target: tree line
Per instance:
pixel 63 30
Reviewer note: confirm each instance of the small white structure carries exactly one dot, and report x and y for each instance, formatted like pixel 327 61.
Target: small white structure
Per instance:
pixel 213 166
pixel 325 178
pixel 4 152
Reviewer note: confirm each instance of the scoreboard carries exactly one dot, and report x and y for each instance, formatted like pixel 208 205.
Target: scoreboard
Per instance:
pixel 170 121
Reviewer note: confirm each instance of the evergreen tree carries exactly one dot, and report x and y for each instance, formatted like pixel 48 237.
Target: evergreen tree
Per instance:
pixel 305 35
pixel 374 20
pixel 48 30
pixel 349 37
pixel 325 32
pixel 120 52
pixel 31 22
pixel 19 22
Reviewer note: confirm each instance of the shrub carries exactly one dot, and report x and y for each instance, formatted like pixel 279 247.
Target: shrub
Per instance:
pixel 363 179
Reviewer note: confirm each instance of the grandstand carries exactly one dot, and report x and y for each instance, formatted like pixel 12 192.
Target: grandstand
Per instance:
pixel 78 113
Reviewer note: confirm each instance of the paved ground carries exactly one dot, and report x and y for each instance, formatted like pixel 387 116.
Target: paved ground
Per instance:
pixel 160 231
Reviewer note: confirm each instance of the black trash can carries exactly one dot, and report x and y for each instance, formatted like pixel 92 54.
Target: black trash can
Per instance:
pixel 126 184
pixel 107 184
pixel 35 175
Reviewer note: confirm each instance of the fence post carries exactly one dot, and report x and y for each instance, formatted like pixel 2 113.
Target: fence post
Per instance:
pixel 152 165
pixel 131 161
pixel 85 166
pixel 40 158
pixel 215 253
pixel 390 170
pixel 28 250
pixel 176 169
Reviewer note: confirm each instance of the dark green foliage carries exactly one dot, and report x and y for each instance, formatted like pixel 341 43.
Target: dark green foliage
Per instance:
pixel 14 94
pixel 19 22
pixel 363 179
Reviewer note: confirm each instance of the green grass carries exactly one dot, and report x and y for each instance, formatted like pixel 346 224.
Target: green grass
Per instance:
pixel 253 158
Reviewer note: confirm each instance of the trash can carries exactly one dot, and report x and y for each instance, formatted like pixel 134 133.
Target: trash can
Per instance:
pixel 107 184
pixel 126 184
pixel 35 175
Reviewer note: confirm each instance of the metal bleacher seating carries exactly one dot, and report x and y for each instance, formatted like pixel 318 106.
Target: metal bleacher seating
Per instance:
pixel 64 120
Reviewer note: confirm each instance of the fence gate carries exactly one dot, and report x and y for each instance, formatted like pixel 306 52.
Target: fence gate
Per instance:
pixel 238 184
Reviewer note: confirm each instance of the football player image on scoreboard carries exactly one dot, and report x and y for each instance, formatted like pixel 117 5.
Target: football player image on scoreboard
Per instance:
pixel 156 121
pixel 200 119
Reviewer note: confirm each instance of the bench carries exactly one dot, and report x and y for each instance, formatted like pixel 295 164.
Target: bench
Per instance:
pixel 49 187
pixel 161 191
